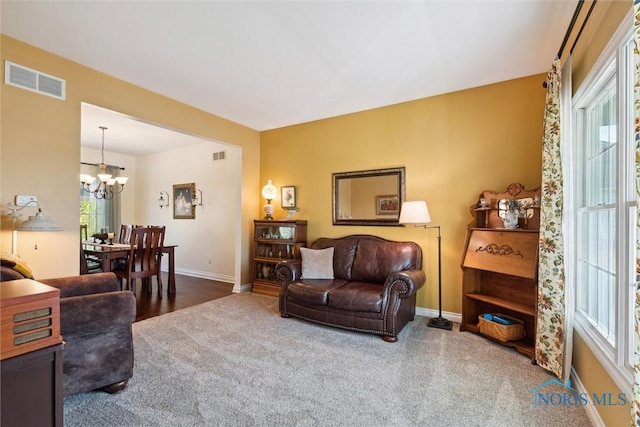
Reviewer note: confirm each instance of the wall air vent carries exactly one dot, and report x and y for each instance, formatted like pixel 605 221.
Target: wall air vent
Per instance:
pixel 35 81
pixel 220 155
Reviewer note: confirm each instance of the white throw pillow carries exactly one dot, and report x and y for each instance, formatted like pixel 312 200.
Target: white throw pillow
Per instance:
pixel 317 263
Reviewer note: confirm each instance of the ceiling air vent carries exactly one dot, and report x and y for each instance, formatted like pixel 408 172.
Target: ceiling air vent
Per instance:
pixel 220 155
pixel 35 81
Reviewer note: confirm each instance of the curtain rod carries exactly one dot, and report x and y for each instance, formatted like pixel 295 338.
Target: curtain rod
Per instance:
pixel 574 18
pixel 570 29
pixel 96 164
pixel 586 18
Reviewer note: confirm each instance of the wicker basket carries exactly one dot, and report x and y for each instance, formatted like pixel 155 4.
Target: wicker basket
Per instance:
pixel 499 331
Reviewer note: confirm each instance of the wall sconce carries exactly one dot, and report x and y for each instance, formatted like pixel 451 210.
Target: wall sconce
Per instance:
pixel 37 222
pixel 269 192
pixel 195 200
pixel 162 201
pixel 417 213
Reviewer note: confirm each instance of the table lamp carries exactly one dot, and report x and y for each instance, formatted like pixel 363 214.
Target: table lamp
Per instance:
pixel 269 192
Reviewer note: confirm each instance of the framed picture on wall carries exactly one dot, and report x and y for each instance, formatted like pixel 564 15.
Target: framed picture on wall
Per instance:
pixel 288 197
pixel 387 205
pixel 182 208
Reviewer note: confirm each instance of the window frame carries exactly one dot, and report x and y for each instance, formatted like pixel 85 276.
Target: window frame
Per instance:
pixel 615 358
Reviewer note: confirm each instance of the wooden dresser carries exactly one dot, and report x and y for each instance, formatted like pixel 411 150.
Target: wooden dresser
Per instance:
pixel 500 265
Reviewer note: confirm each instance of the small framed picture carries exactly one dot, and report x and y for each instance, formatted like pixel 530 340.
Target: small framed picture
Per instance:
pixel 288 197
pixel 387 205
pixel 182 208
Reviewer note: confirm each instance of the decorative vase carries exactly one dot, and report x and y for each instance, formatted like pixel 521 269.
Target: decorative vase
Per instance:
pixel 510 220
pixel 290 213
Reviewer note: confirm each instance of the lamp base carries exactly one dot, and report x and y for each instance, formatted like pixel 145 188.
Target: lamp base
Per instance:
pixel 440 323
pixel 268 209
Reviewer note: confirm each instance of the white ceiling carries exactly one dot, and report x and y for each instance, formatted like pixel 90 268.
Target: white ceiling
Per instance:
pixel 129 135
pixel 267 64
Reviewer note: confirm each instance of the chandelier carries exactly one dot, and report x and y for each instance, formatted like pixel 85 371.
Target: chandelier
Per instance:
pixel 104 186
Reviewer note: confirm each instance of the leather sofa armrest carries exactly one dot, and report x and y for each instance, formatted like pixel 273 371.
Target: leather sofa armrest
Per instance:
pixel 289 270
pixel 412 279
pixel 85 284
pixel 98 312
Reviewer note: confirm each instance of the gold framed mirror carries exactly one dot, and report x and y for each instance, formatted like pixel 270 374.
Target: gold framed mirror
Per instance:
pixel 369 197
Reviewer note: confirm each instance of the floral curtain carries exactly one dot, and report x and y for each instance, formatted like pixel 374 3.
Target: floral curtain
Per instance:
pixel 550 336
pixel 636 368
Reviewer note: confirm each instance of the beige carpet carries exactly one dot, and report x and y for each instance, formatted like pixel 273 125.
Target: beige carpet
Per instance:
pixel 235 362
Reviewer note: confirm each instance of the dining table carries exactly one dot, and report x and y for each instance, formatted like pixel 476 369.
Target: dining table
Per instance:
pixel 107 252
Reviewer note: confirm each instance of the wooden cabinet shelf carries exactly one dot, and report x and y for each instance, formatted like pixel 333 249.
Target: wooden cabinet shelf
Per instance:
pixel 499 302
pixel 274 241
pixel 500 266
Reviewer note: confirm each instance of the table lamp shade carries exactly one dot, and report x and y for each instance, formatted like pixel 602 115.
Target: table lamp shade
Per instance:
pixel 269 191
pixel 415 212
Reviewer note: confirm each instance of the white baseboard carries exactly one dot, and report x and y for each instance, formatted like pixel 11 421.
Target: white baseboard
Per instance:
pixel 429 312
pixel 591 410
pixel 203 275
pixel 242 288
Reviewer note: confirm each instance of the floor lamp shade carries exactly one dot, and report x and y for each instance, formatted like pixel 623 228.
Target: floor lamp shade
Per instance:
pixel 415 212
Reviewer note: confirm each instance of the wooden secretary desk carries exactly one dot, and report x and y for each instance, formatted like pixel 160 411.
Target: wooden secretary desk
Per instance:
pixel 500 265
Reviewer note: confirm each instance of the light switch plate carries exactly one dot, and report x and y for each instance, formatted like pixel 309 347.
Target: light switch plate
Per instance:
pixel 22 199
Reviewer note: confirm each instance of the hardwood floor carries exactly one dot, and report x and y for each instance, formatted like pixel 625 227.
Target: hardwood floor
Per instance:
pixel 189 291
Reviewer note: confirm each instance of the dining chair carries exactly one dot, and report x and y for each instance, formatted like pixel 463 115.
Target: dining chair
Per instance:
pixel 88 263
pixel 125 239
pixel 143 260
pixel 125 233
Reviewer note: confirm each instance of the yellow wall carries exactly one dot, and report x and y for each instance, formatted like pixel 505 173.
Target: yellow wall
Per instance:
pixel 453 147
pixel 602 24
pixel 40 150
pixel 596 380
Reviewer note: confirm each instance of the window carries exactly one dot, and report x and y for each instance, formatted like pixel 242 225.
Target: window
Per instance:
pixel 92 212
pixel 603 193
pixel 596 269
pixel 98 214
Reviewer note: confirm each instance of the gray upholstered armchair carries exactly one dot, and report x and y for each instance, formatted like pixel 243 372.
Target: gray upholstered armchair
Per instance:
pixel 95 324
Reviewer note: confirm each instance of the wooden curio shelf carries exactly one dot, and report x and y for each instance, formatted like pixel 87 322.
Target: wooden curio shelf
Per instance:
pixel 273 242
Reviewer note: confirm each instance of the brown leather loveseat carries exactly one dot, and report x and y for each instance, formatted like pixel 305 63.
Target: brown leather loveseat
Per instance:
pixel 373 288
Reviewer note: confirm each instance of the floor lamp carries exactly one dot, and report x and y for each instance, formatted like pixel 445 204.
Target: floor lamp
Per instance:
pixel 417 213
